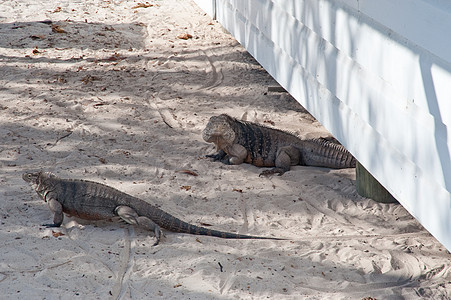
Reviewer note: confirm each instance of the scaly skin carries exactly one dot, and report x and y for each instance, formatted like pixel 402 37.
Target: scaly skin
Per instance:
pixel 95 201
pixel 239 141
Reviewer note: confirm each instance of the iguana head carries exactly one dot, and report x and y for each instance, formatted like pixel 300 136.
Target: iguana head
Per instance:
pixel 32 178
pixel 37 180
pixel 219 130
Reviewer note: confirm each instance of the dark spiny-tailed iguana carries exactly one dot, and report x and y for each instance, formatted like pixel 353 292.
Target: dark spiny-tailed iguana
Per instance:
pixel 95 201
pixel 239 141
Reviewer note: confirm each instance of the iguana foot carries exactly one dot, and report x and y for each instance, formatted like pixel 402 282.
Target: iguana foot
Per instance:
pixel 214 156
pixel 51 225
pixel 280 172
pixel 156 242
pixel 221 156
pixel 225 159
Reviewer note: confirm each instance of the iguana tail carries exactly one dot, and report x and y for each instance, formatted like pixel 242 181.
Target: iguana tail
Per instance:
pixel 169 222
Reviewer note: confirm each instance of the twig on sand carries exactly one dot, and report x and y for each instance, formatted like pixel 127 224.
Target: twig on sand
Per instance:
pixel 62 137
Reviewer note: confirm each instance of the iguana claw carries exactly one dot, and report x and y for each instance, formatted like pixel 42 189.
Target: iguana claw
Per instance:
pixel 51 225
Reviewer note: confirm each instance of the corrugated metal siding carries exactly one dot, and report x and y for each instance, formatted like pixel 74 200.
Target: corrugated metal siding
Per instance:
pixel 376 74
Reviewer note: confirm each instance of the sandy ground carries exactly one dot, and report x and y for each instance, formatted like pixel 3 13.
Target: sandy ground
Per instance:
pixel 108 91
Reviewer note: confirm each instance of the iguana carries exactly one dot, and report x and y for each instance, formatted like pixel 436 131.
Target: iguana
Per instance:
pixel 95 201
pixel 240 141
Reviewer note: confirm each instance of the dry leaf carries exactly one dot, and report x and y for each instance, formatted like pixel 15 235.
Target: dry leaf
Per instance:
pixel 185 36
pixel 189 172
pixel 37 37
pixel 36 51
pixel 185 187
pixel 269 122
pixel 58 9
pixel 61 79
pixel 57 29
pixel 115 57
pixel 142 5
pixel 57 234
pixel 88 78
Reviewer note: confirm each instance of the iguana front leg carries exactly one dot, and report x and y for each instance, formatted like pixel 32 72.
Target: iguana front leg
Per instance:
pixel 285 157
pixel 130 216
pixel 57 209
pixel 221 156
pixel 231 155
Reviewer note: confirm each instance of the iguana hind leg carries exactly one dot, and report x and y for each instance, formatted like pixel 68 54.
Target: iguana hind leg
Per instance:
pixel 57 210
pixel 237 154
pixel 130 216
pixel 285 157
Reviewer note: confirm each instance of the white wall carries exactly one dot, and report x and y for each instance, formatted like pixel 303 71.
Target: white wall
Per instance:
pixel 376 74
pixel 208 6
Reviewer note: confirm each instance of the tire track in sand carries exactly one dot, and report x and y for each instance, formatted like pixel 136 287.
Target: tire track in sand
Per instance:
pixel 126 263
pixel 213 69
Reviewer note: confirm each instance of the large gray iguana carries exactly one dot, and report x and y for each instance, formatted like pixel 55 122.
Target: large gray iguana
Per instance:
pixel 95 201
pixel 240 141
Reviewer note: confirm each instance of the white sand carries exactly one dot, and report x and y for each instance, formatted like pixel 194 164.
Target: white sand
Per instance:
pixel 135 99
